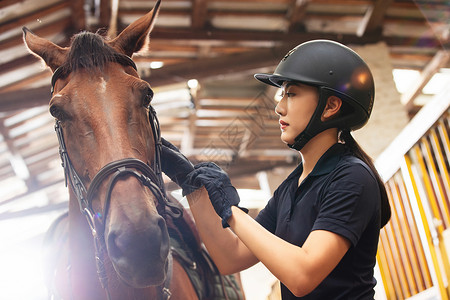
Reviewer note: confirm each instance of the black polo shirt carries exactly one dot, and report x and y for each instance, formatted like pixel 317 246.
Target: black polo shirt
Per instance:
pixel 340 195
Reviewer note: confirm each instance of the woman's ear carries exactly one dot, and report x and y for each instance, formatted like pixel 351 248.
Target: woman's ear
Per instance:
pixel 331 108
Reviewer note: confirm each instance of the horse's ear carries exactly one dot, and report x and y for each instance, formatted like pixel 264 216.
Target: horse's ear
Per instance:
pixel 135 37
pixel 52 54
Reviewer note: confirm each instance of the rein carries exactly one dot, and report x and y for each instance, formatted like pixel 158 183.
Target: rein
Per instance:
pixel 152 179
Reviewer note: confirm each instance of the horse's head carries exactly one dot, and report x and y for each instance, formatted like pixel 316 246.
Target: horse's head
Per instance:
pixel 102 108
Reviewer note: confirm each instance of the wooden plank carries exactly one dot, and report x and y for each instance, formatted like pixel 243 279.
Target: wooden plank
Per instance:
pixel 400 258
pixel 297 15
pixel 393 271
pixel 210 67
pixel 26 98
pixel 194 37
pixel 48 29
pixel 412 268
pixel 24 83
pixel 383 264
pixel 423 277
pixel 199 14
pixel 414 187
pixel 435 177
pixel 373 19
pixel 78 16
pixel 188 36
pixel 109 13
pixel 17 63
pixel 20 21
pixel 439 60
pixel 440 158
pixel 5 3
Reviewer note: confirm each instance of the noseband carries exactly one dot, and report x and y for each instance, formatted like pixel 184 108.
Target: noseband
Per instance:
pixel 148 177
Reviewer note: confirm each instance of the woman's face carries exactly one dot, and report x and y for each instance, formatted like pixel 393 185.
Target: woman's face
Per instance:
pixel 295 109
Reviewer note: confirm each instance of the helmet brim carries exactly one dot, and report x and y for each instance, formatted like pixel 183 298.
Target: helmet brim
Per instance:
pixel 265 78
pixel 272 79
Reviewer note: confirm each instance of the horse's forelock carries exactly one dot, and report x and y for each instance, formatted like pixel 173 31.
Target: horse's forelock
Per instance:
pixel 88 50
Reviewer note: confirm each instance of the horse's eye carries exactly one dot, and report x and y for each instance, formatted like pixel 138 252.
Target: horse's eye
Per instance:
pixel 148 96
pixel 57 112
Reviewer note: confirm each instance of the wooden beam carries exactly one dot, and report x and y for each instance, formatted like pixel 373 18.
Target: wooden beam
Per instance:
pixel 78 17
pixel 194 37
pixel 210 67
pixel 26 82
pixel 15 158
pixel 190 131
pixel 17 63
pixel 105 8
pixel 16 100
pixel 20 21
pixel 373 19
pixel 220 37
pixel 439 60
pixel 5 3
pixel 297 15
pixel 199 15
pixel 49 29
pixel 112 30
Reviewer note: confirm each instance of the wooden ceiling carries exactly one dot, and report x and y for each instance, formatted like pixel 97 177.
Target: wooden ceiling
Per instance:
pixel 228 118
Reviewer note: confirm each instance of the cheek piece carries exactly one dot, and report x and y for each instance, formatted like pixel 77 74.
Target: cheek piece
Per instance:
pixel 315 124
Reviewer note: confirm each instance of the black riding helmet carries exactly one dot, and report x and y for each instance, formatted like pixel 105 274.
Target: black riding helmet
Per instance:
pixel 335 70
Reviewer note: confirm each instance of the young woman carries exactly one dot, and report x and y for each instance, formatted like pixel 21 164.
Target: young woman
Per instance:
pixel 319 232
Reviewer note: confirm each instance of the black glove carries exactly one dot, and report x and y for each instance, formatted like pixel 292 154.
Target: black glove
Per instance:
pixel 221 193
pixel 175 165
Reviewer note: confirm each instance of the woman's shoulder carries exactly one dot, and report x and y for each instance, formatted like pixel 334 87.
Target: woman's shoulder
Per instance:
pixel 354 169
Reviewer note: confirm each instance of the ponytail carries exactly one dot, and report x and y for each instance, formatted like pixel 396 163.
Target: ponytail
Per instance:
pixel 346 138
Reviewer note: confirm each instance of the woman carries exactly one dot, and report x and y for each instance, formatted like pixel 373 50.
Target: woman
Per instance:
pixel 319 232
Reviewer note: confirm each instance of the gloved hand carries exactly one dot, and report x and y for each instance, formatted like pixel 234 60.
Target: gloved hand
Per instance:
pixel 221 193
pixel 175 165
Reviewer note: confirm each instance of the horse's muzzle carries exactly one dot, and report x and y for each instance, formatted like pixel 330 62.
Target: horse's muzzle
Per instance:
pixel 139 255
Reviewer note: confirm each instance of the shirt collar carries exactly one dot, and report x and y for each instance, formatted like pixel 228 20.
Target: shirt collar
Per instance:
pixel 329 160
pixel 325 164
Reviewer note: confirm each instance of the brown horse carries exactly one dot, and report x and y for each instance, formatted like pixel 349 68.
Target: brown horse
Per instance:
pixel 117 244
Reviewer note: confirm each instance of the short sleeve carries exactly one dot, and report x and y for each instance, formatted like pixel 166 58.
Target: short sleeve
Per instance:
pixel 348 203
pixel 267 217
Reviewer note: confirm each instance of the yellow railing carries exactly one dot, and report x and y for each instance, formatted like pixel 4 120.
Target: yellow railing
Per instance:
pixel 413 258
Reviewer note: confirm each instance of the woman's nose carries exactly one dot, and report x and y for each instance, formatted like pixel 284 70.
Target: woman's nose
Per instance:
pixel 280 108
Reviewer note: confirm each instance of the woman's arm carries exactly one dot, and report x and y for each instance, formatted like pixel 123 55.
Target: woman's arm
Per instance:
pixel 300 269
pixel 226 249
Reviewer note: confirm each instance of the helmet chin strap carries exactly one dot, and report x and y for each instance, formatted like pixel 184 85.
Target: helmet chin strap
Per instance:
pixel 315 124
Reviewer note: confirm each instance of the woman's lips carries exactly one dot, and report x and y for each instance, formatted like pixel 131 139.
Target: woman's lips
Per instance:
pixel 283 124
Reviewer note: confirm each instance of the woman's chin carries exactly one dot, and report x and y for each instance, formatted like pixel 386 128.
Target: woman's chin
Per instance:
pixel 287 140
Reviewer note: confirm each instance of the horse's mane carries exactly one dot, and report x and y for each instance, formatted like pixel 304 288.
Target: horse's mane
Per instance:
pixel 88 51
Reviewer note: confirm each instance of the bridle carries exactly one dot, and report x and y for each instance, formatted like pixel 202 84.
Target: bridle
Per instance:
pixel 152 179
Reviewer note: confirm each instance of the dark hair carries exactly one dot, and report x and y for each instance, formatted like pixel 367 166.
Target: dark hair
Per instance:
pixel 385 210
